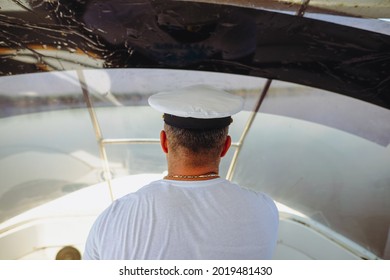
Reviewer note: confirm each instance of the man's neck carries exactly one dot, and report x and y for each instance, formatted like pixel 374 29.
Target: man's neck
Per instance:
pixel 184 169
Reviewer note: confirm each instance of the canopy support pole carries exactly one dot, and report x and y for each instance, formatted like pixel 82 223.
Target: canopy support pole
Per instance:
pixel 98 132
pixel 252 117
pixel 300 12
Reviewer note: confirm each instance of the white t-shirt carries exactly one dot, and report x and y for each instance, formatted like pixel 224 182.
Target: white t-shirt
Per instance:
pixel 167 219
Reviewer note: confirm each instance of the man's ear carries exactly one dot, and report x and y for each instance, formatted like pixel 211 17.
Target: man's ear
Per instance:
pixel 164 141
pixel 226 146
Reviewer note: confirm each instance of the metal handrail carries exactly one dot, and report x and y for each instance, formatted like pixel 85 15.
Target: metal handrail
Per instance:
pixel 135 141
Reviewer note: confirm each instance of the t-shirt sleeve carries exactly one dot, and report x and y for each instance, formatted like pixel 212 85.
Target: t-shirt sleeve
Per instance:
pixel 91 251
pixel 93 244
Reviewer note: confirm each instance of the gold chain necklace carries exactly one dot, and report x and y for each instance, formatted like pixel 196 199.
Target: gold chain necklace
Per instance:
pixel 204 176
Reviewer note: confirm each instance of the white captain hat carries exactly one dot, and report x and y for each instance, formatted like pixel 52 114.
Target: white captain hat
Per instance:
pixel 198 107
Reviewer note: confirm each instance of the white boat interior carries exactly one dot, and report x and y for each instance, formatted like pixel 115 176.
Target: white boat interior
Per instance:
pixel 77 133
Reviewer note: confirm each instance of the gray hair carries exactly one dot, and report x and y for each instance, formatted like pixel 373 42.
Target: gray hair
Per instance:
pixel 197 141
